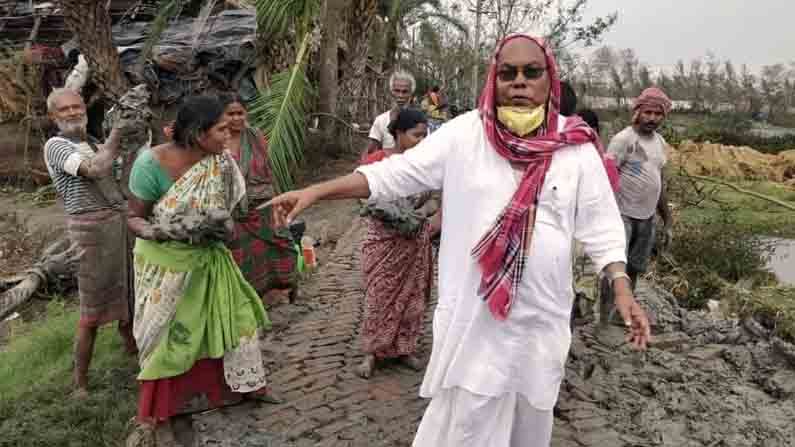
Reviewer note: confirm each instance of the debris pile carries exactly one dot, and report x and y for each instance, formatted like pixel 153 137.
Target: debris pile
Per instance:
pixel 704 382
pixel 731 162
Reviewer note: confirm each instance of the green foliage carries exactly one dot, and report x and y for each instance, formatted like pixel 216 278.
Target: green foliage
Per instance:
pixel 774 307
pixel 36 408
pixel 280 111
pixel 276 17
pixel 721 236
pixel 712 251
pixel 281 114
pixel 567 25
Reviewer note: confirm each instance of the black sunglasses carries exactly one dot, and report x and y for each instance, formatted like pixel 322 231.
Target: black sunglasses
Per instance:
pixel 508 72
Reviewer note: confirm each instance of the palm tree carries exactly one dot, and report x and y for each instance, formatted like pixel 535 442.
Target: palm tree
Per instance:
pixel 280 109
pixel 328 87
pixel 401 14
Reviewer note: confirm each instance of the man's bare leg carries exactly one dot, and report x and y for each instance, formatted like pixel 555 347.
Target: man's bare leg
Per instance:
pixel 365 369
pixel 84 349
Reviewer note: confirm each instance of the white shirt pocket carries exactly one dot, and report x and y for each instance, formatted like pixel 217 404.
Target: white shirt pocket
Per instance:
pixel 557 200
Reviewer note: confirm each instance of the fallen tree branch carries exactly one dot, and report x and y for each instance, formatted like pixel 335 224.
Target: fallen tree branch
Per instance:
pixel 58 262
pixel 773 200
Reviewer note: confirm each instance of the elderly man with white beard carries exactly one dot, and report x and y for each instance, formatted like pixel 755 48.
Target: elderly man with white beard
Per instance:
pixel 83 175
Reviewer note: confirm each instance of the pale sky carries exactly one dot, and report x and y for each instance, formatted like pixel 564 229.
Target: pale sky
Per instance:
pixel 755 32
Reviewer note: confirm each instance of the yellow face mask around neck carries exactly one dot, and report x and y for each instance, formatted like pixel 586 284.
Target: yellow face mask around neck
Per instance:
pixel 521 120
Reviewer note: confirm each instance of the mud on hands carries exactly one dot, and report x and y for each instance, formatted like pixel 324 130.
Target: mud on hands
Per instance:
pixel 399 215
pixel 195 228
pixel 132 116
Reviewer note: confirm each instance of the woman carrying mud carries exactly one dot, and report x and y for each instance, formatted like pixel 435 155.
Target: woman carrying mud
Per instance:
pixel 397 261
pixel 197 320
pixel 267 257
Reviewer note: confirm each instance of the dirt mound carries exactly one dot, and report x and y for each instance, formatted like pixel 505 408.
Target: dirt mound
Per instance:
pixel 731 162
pixel 705 382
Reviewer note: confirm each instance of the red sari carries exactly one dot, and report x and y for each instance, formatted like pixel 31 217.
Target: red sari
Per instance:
pixel 398 272
pixel 267 257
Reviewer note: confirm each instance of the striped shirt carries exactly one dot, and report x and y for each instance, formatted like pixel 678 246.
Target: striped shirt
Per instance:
pixel 63 157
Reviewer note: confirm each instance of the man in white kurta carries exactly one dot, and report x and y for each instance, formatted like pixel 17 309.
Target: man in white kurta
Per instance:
pixel 493 379
pixel 522 358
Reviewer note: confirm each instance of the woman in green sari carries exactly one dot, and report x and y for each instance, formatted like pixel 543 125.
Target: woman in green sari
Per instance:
pixel 266 256
pixel 197 320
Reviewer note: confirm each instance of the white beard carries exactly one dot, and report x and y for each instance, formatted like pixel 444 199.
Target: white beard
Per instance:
pixel 73 127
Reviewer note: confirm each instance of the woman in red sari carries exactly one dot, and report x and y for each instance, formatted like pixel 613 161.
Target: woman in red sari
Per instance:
pixel 397 261
pixel 267 257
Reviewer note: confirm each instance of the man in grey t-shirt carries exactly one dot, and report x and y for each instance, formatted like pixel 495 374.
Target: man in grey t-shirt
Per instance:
pixel 640 155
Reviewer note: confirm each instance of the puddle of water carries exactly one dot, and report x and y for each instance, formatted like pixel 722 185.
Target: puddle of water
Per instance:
pixel 782 263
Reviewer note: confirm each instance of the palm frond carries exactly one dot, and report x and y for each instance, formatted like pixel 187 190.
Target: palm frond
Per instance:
pixel 201 23
pixel 274 17
pixel 448 19
pixel 281 114
pixel 167 10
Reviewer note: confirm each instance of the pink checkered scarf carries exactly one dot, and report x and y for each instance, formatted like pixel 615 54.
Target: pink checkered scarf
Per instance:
pixel 501 251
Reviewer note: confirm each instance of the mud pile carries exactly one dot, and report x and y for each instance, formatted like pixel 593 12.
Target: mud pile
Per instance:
pixel 705 382
pixel 733 162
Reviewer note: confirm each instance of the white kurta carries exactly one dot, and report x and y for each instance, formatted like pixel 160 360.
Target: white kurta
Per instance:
pixel 471 349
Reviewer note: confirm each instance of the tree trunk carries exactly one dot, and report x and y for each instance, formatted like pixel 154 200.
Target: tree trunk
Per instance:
pixel 89 21
pixel 354 81
pixel 329 68
pixel 391 53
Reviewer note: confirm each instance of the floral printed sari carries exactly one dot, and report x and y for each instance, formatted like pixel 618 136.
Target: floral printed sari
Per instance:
pixel 193 305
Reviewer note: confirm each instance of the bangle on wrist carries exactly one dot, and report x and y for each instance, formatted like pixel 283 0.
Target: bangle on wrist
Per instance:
pixel 613 276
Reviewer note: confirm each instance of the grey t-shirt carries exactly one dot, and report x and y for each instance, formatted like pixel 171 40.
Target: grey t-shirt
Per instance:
pixel 640 161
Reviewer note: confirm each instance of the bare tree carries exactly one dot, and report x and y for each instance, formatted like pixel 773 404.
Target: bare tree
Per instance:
pixel 731 88
pixel 629 68
pixel 697 83
pixel 750 94
pixel 644 77
pixel 772 87
pixel 680 80
pixel 586 79
pixel 517 15
pixel 602 61
pixel 617 87
pixel 665 83
pixel 714 80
